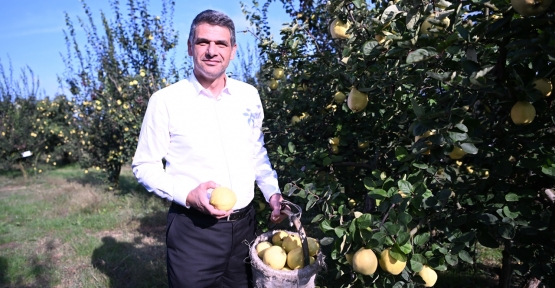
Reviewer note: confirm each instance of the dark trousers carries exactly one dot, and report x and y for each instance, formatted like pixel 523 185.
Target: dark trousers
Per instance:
pixel 203 251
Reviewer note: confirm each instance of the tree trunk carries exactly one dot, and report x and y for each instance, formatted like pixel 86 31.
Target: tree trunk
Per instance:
pixel 506 268
pixel 22 168
pixel 113 175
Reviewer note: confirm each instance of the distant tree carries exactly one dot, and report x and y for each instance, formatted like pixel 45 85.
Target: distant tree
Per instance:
pixel 28 124
pixel 111 76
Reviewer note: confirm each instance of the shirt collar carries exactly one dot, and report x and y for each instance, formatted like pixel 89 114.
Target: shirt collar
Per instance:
pixel 199 90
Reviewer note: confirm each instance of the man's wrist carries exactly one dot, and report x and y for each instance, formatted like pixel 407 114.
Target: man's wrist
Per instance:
pixel 278 194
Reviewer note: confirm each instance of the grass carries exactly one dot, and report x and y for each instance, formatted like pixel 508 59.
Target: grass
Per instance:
pixel 63 229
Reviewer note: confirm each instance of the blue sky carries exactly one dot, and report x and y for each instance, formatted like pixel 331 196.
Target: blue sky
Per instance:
pixel 31 31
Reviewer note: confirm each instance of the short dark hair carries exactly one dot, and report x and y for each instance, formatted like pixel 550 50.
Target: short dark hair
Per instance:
pixel 213 18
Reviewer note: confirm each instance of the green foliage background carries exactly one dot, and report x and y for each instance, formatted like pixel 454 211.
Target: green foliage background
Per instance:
pixel 459 81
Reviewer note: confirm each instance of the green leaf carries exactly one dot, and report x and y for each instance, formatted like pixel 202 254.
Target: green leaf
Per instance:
pixel 469 66
pixel 438 263
pixel 444 77
pixel 326 241
pixel 462 31
pixel 462 127
pixel 443 194
pixel 420 55
pixel 469 148
pixel 367 237
pixel 418 129
pixel 506 231
pixel 421 239
pixel 429 202
pixel 475 77
pixel 326 162
pixel 370 183
pixel 317 218
pixel 466 237
pixel 402 238
pixel 346 52
pixel 401 153
pixel 510 214
pixel 442 250
pixel 549 171
pixel 369 46
pixel 291 147
pixel 379 237
pixel 357 3
pixel 419 111
pixel 392 229
pixel 405 186
pixel 466 257
pixel 339 231
pixel 364 221
pixel 396 199
pixel 406 248
pixel 397 254
pixel 378 194
pixel 529 230
pixel 325 225
pixel 311 202
pixel 420 165
pixel 416 262
pixel 512 197
pixel 453 49
pixel 394 51
pixel 404 218
pixel 488 219
pixel 353 227
pixel 399 284
pixel 456 137
pixel 451 259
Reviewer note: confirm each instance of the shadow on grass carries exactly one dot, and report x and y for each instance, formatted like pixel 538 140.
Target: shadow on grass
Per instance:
pixel 154 226
pixel 10 173
pixel 3 271
pixel 138 264
pixel 131 265
pixel 41 269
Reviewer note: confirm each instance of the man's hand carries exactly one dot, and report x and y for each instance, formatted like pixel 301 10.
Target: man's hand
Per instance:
pixel 275 205
pixel 198 200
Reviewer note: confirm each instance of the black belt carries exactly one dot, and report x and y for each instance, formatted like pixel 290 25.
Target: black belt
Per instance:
pixel 234 216
pixel 239 213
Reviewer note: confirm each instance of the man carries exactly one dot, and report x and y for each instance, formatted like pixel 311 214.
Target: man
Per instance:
pixel 208 128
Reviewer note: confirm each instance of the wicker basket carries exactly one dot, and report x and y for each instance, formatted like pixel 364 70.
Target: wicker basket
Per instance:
pixel 266 277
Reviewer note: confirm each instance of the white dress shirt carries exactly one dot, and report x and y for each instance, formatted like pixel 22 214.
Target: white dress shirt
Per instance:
pixel 204 137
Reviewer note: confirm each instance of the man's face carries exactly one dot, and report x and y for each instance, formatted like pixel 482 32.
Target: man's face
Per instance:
pixel 211 50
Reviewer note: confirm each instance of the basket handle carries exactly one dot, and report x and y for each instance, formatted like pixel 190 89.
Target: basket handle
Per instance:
pixel 295 220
